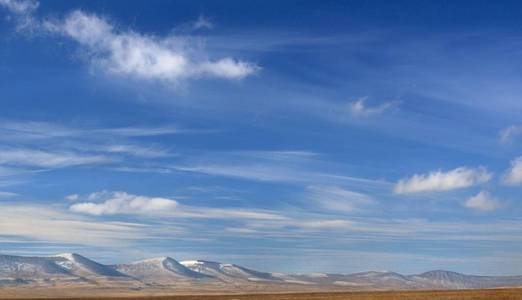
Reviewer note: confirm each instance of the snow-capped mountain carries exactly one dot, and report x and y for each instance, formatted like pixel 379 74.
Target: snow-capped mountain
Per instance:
pixel 452 280
pixel 162 270
pixel 73 269
pixel 384 279
pixel 69 267
pixel 29 268
pixel 227 272
pixel 374 280
pixel 82 266
pixel 367 280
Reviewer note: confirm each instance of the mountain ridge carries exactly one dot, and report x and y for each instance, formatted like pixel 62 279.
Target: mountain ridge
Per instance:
pixel 75 269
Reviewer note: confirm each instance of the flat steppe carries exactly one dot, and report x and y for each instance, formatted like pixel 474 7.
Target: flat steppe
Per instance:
pixel 488 294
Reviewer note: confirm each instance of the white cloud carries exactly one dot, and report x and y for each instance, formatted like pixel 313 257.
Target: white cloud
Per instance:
pixel 22 11
pixel 338 199
pixel 7 194
pixel 167 59
pixel 20 6
pixel 49 224
pixel 203 23
pixel 443 181
pixel 136 150
pixel 170 59
pixel 30 130
pixel 275 166
pixel 360 108
pixel 514 175
pixel 323 224
pixel 201 212
pixel 112 203
pixel 138 131
pixel 123 203
pixel 49 145
pixel 72 197
pixel 37 158
pixel 483 201
pixel 237 213
pixel 507 135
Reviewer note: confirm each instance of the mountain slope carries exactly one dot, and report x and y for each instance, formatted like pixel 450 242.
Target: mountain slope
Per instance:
pixel 74 269
pixel 390 280
pixel 68 268
pixel 31 268
pixel 163 270
pixel 365 280
pixel 82 266
pixel 227 272
pixel 453 280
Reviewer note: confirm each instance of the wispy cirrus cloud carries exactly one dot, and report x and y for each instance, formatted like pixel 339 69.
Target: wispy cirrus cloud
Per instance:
pixel 231 213
pixel 50 224
pixel 483 201
pixel 509 134
pixel 72 197
pixel 437 181
pixel 203 23
pixel 335 198
pixel 123 203
pixel 37 158
pixel 22 11
pixel 360 107
pixel 20 6
pixel 7 194
pixel 290 166
pixel 139 131
pixel 33 130
pixel 66 142
pixel 32 146
pixel 135 150
pixel 170 59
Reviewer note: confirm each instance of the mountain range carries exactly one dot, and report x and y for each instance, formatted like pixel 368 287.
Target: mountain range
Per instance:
pixel 74 270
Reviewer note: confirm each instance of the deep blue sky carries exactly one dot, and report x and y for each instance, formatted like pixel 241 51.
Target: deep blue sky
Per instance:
pixel 293 136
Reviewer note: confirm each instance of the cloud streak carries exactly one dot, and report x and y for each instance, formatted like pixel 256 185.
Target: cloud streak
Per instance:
pixel 297 167
pixel 49 224
pixel 21 7
pixel 37 158
pixel 508 135
pixel 22 11
pixel 360 108
pixel 31 130
pixel 335 198
pixel 170 59
pixel 167 59
pixel 123 203
pixel 438 181
pixel 203 23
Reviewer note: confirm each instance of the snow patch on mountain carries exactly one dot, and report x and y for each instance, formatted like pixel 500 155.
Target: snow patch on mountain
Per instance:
pixel 227 272
pixel 82 266
pixel 159 270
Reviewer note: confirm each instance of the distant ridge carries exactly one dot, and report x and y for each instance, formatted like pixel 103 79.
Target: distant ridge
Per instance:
pixel 161 270
pixel 227 272
pixel 72 269
pixel 81 265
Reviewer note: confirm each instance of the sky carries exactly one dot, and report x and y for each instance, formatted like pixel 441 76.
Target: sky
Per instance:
pixel 288 136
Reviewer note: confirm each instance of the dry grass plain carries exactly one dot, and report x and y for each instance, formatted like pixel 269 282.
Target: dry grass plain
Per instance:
pixel 489 294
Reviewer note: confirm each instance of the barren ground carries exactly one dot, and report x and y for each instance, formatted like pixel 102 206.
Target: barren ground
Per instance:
pixel 79 294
